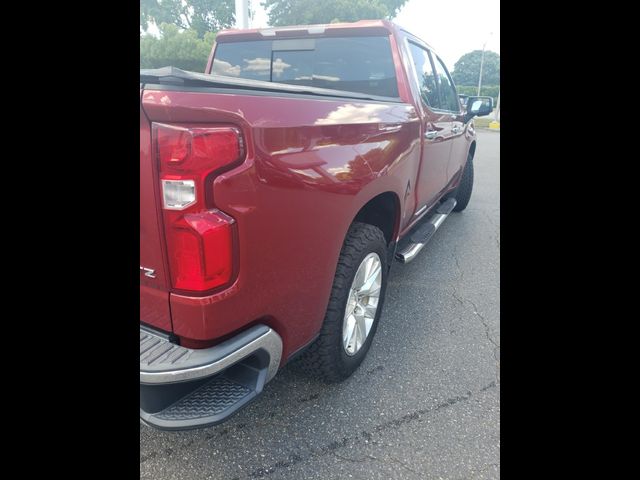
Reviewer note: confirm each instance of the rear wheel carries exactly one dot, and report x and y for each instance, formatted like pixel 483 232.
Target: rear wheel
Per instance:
pixel 354 307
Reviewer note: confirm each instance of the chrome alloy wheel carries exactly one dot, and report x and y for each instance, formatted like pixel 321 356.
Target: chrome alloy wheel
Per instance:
pixel 362 304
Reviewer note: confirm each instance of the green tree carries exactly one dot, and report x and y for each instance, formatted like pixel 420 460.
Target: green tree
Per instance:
pixel 200 15
pixel 182 49
pixel 306 12
pixel 466 71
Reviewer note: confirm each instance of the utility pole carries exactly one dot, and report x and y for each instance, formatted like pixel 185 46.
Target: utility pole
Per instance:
pixel 242 13
pixel 481 63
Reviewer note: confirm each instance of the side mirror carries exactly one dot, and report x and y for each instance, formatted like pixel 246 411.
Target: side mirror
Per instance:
pixel 478 107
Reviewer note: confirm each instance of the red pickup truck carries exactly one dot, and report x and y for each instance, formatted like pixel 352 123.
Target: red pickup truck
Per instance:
pixel 276 190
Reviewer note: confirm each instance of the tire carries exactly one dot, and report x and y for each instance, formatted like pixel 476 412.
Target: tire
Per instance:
pixel 327 357
pixel 462 193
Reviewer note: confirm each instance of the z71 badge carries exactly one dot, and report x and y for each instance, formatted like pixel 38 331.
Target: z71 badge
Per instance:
pixel 148 272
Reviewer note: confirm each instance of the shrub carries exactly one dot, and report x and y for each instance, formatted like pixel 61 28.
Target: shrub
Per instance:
pixel 486 90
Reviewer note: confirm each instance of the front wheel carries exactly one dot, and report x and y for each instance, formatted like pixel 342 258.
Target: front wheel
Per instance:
pixel 462 193
pixel 354 307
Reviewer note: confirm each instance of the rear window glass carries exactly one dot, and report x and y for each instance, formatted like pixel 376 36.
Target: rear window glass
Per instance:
pixel 354 64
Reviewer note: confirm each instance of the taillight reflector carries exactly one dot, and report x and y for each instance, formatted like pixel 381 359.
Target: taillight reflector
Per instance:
pixel 201 246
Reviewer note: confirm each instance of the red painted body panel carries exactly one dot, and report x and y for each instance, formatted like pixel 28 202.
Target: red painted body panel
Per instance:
pixel 311 165
pixel 154 296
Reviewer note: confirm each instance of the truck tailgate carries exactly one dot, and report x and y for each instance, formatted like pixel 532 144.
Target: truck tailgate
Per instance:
pixel 154 294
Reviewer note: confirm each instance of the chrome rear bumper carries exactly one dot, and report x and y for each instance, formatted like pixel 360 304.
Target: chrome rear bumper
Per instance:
pixel 182 388
pixel 164 362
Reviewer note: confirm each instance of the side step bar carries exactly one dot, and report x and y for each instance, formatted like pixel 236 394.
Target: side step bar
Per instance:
pixel 421 236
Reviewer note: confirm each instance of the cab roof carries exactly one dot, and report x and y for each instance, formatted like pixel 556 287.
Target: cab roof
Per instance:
pixel 361 27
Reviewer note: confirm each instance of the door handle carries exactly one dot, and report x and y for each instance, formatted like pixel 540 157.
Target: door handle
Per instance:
pixel 455 129
pixel 430 134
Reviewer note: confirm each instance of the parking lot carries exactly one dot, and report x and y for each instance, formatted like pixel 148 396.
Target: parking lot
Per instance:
pixel 425 402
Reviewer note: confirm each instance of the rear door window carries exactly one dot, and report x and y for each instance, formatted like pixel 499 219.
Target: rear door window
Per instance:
pixel 354 64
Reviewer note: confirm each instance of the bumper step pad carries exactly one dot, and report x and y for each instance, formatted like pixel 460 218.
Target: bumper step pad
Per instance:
pixel 182 389
pixel 209 400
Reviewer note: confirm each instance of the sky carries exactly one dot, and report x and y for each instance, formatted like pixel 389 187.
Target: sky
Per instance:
pixel 452 28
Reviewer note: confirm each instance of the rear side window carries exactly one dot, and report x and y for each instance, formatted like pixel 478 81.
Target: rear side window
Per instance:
pixel 353 64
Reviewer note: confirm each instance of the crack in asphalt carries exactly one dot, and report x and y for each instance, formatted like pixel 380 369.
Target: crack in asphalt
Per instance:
pixel 363 437
pixel 495 225
pixel 454 254
pixel 487 330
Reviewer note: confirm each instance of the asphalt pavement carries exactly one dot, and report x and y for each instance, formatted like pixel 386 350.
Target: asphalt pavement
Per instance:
pixel 425 403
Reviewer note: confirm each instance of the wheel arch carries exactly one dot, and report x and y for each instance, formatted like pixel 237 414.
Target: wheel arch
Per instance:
pixel 382 211
pixel 472 149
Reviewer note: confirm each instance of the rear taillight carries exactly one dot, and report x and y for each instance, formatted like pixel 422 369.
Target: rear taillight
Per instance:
pixel 201 150
pixel 200 238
